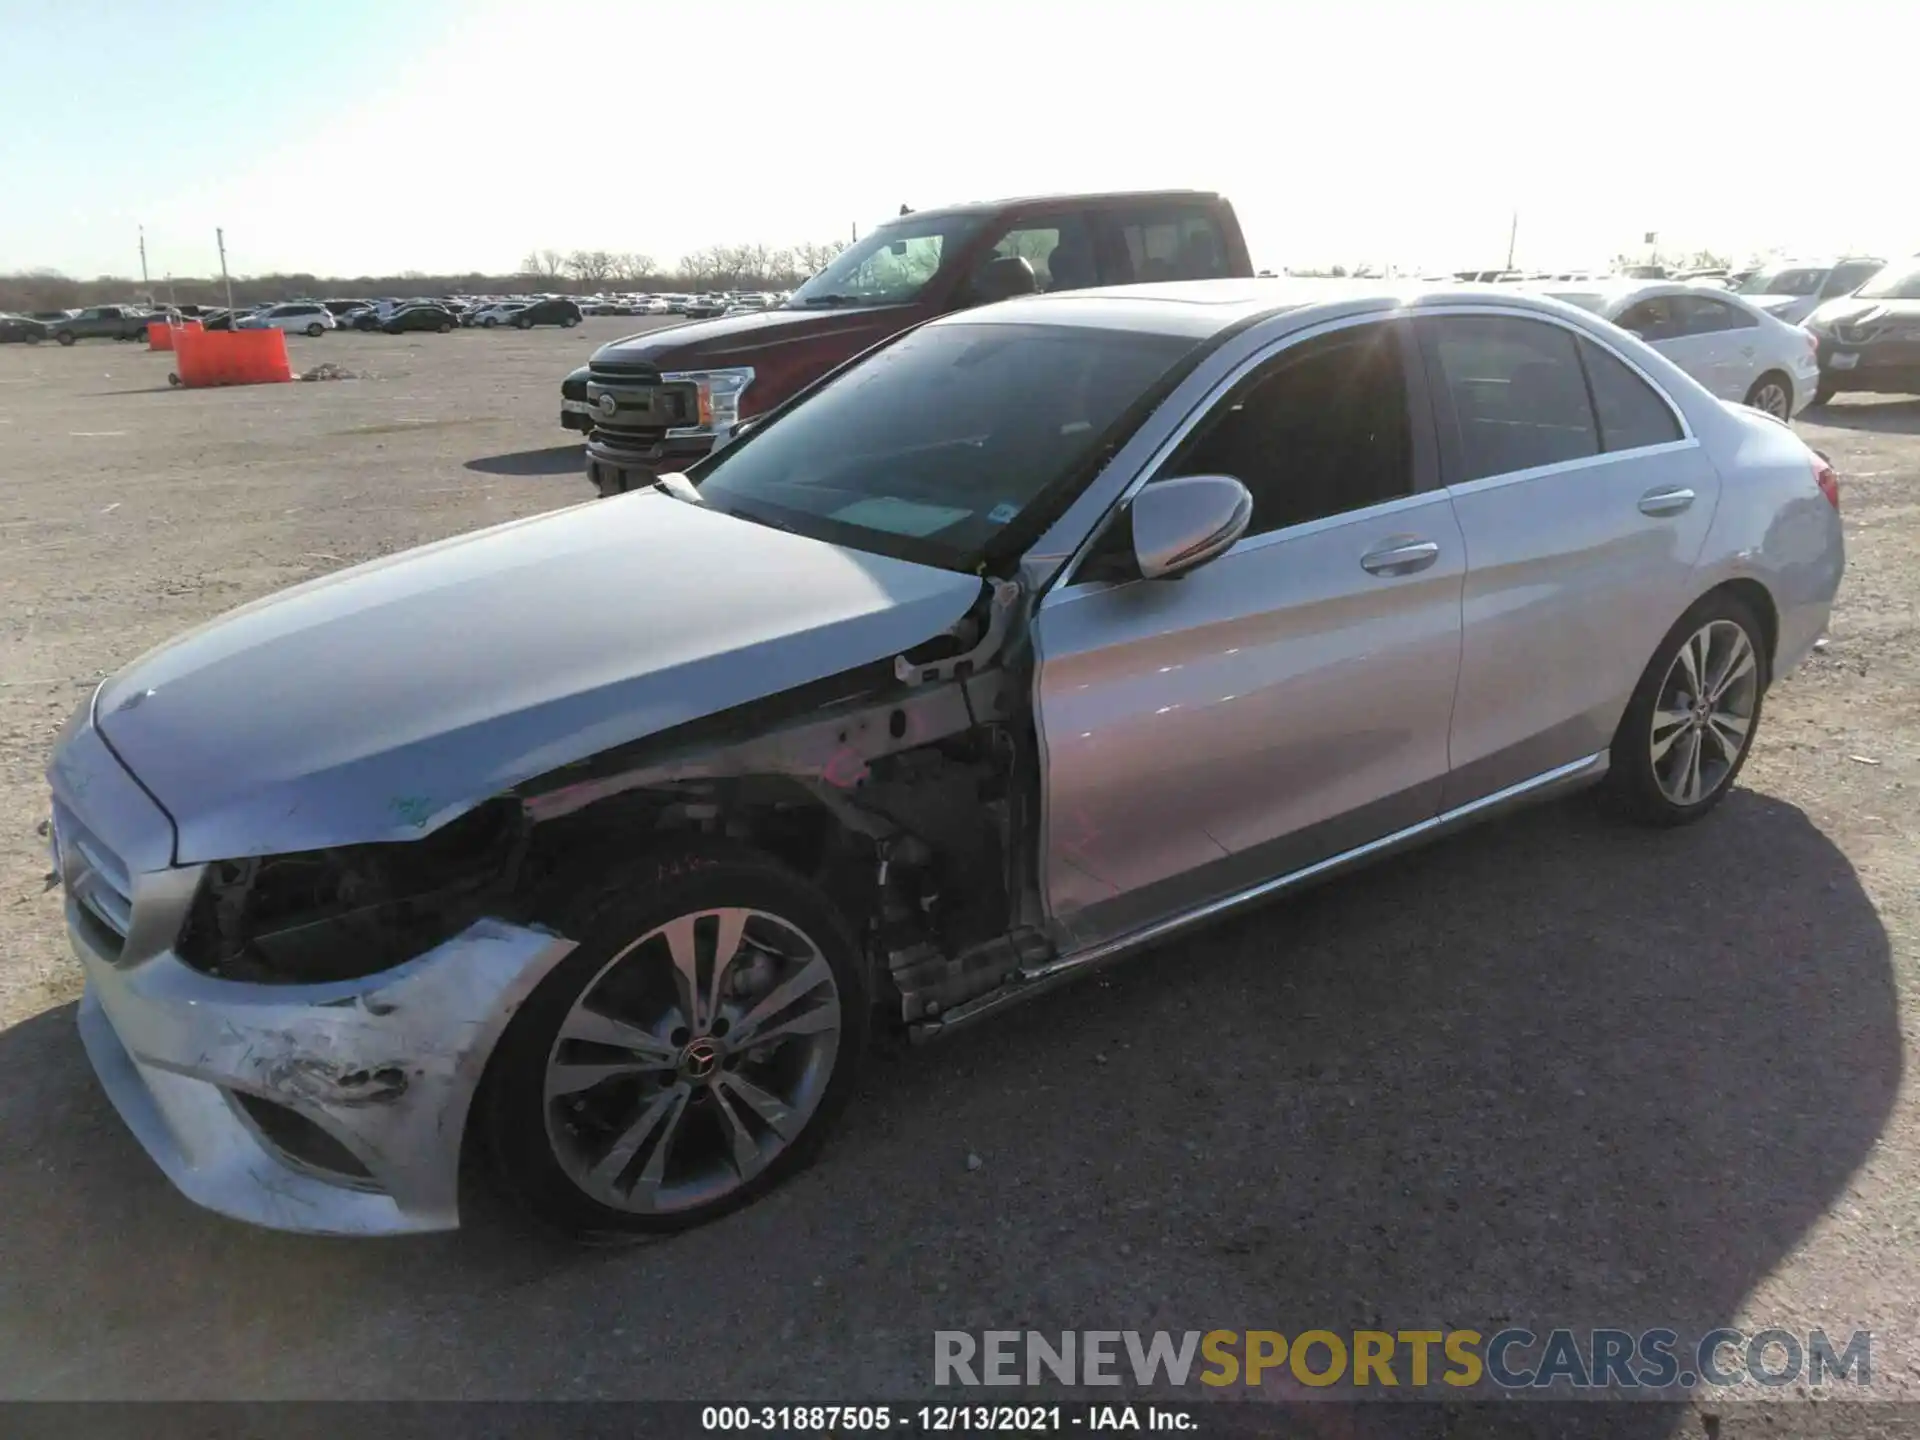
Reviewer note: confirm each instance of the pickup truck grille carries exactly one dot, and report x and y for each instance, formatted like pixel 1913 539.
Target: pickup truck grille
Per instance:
pixel 94 877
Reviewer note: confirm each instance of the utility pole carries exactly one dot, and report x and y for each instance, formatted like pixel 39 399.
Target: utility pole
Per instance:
pixel 145 283
pixel 220 239
pixel 856 232
pixel 1513 234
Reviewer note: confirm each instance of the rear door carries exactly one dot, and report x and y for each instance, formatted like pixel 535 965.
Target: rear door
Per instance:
pixel 1285 702
pixel 1584 502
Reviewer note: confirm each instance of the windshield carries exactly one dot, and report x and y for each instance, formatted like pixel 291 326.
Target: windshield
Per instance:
pixel 1783 280
pixel 1896 282
pixel 892 265
pixel 931 448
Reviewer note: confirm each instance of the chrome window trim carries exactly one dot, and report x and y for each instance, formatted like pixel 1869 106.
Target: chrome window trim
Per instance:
pixel 1050 572
pixel 1564 467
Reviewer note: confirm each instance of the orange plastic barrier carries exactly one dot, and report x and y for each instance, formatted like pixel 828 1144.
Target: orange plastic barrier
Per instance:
pixel 231 357
pixel 160 334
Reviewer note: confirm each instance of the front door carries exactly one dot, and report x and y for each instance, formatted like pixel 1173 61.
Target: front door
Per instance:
pixel 1278 705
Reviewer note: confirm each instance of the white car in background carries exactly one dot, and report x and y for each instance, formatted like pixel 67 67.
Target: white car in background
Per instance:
pixel 308 317
pixel 1731 346
pixel 501 314
pixel 1791 290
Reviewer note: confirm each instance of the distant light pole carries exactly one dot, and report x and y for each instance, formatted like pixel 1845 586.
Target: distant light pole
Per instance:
pixel 1513 234
pixel 220 239
pixel 145 283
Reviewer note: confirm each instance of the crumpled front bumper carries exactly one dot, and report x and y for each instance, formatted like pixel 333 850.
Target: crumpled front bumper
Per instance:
pixel 386 1066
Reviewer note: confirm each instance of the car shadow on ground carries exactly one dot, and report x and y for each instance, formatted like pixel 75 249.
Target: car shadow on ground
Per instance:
pixel 553 460
pixel 1558 1071
pixel 1859 412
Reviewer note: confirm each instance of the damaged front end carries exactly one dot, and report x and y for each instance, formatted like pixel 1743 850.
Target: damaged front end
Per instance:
pixel 907 791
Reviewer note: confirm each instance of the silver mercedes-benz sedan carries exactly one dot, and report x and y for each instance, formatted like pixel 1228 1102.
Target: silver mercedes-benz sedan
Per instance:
pixel 600 843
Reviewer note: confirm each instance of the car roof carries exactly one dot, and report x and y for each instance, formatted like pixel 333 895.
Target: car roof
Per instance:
pixel 1204 308
pixel 1022 202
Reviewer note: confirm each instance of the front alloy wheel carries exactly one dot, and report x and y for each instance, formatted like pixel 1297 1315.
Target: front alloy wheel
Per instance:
pixel 688 1055
pixel 691 1061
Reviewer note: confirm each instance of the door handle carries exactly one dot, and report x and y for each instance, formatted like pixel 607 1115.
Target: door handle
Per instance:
pixel 1667 500
pixel 1402 557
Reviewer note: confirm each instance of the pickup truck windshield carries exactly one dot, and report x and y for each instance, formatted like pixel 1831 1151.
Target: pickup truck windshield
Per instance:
pixel 929 449
pixel 1896 282
pixel 892 265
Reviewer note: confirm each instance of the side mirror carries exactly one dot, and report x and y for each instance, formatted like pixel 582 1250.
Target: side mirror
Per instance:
pixel 1002 278
pixel 1180 524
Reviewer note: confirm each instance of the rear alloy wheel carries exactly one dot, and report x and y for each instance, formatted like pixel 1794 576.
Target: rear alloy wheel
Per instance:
pixel 522 324
pixel 490 322
pixel 570 322
pixel 688 1056
pixel 316 330
pixel 442 328
pixel 1690 725
pixel 1773 393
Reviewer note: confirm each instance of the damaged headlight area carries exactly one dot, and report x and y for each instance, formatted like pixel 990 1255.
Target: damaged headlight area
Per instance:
pixel 341 914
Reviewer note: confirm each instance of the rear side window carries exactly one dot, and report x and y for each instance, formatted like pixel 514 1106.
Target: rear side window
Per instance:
pixel 1630 413
pixel 1700 316
pixel 1652 320
pixel 1519 395
pixel 1163 242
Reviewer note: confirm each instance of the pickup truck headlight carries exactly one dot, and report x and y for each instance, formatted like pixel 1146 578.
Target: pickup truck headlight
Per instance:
pixel 720 392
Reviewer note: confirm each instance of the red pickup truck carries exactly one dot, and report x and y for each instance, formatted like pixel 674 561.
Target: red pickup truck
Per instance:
pixel 659 401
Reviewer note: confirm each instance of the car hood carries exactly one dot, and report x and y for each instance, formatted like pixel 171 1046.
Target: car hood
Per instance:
pixel 380 702
pixel 732 339
pixel 1853 310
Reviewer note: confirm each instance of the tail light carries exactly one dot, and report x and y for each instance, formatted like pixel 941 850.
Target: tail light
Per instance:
pixel 1813 340
pixel 1826 479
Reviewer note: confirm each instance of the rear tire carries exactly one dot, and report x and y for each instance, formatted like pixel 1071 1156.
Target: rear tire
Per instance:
pixel 489 322
pixel 1690 725
pixel 442 328
pixel 651 1109
pixel 520 324
pixel 65 337
pixel 1772 393
pixel 569 322
pixel 316 330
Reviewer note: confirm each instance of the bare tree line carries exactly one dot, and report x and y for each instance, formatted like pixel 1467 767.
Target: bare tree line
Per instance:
pixel 718 267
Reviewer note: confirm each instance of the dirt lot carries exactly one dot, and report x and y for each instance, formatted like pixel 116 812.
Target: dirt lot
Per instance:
pixel 1557 1072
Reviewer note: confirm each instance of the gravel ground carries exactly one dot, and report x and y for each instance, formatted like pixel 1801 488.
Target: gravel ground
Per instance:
pixel 1556 1072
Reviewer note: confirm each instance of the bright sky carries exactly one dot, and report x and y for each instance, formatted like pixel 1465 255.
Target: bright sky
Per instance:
pixel 372 136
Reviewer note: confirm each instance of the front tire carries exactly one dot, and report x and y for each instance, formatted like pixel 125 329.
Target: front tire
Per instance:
pixel 1772 393
pixel 65 337
pixel 490 322
pixel 691 1054
pixel 519 324
pixel 1690 725
pixel 316 330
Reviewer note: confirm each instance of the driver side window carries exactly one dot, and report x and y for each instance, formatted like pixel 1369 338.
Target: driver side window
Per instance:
pixel 1320 430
